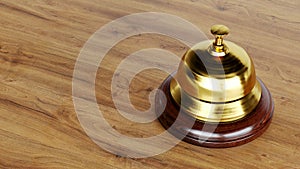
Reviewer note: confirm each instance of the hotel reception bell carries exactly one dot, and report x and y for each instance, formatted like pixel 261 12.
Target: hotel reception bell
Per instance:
pixel 217 94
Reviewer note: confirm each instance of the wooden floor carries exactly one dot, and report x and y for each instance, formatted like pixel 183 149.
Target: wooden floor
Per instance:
pixel 40 41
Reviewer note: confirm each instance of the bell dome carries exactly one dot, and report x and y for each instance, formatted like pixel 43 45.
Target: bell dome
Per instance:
pixel 216 80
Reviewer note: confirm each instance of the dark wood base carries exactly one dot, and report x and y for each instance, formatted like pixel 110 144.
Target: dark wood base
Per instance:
pixel 215 135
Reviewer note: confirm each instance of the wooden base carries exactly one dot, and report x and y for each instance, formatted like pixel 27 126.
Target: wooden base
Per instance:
pixel 215 135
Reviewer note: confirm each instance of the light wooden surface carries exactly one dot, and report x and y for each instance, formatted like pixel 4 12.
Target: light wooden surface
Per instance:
pixel 39 44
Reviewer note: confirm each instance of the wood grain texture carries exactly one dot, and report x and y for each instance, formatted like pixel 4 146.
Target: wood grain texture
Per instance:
pixel 41 39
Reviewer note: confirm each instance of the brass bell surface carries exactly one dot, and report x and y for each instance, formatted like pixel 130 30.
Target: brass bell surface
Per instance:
pixel 217 80
pixel 214 99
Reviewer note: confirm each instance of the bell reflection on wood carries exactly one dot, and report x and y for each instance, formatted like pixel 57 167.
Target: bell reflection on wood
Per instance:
pixel 216 90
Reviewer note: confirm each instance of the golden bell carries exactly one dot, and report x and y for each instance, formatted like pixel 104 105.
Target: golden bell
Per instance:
pixel 216 87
